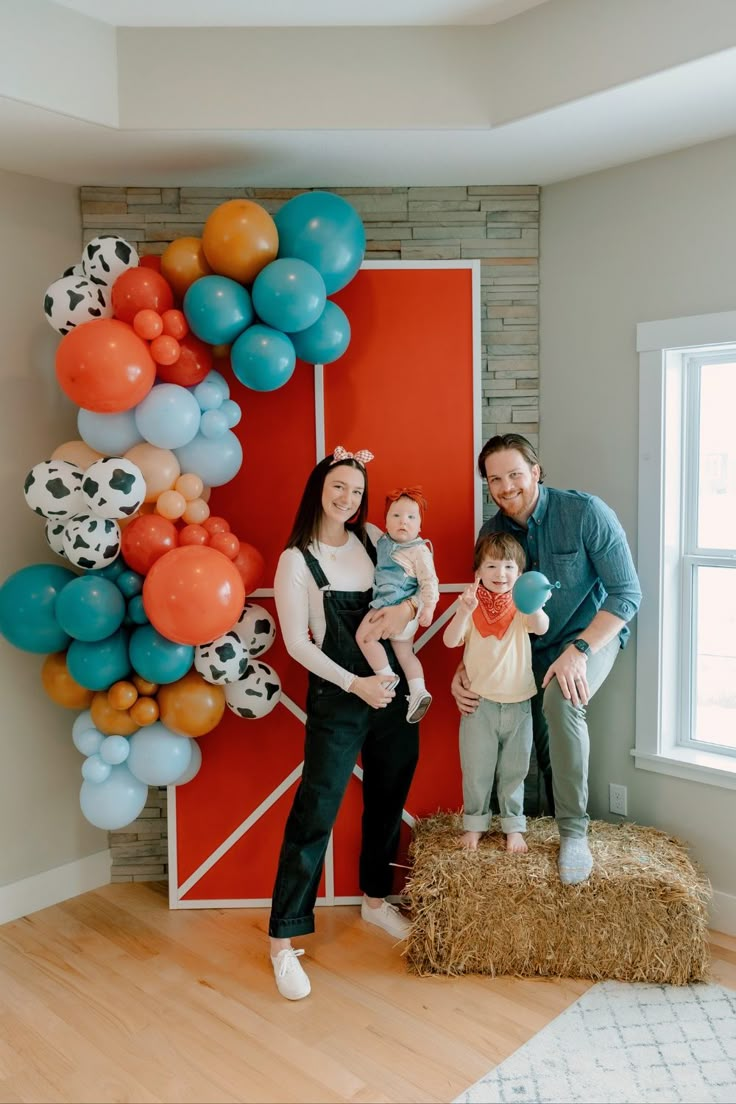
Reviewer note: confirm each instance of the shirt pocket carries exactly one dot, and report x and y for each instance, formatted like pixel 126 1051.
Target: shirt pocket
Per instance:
pixel 565 566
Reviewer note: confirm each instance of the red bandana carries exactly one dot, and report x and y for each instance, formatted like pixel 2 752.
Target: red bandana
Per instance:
pixel 494 612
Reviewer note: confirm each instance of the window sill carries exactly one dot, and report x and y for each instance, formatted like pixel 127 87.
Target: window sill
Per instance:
pixel 695 766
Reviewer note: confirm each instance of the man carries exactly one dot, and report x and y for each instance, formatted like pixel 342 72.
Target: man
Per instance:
pixel 576 539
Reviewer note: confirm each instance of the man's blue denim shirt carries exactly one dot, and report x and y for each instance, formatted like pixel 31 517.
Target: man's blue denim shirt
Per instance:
pixel 576 539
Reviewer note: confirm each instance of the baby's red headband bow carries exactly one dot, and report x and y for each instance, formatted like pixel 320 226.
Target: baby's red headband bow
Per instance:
pixel 363 456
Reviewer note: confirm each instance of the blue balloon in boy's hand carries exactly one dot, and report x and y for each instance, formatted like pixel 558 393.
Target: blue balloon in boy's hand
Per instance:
pixel 531 591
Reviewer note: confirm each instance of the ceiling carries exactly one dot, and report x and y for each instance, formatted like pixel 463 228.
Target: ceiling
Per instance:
pixel 347 93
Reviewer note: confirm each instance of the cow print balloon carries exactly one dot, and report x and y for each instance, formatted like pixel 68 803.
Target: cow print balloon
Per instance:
pixel 72 300
pixel 256 628
pixel 113 487
pixel 222 660
pixel 106 257
pixel 91 542
pixel 256 693
pixel 53 489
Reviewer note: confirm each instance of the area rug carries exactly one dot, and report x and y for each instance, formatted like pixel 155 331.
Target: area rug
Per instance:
pixel 624 1043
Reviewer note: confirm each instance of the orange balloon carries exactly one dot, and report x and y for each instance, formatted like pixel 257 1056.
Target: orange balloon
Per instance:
pixel 182 263
pixel 145 711
pixel 189 485
pixel 148 324
pixel 193 534
pixel 193 594
pixel 76 452
pixel 196 511
pixel 251 566
pixel 239 239
pixel 121 695
pixel 227 543
pixel 216 524
pixel 159 467
pixel 104 366
pixel 143 686
pixel 146 540
pixel 60 686
pixel 109 721
pixel 191 706
pixel 171 504
pixel 139 289
pixel 165 350
pixel 175 324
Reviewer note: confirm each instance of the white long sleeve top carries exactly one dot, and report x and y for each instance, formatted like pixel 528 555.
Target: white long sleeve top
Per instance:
pixel 300 605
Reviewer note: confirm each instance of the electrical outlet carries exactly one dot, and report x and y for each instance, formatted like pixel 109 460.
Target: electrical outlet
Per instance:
pixel 617 799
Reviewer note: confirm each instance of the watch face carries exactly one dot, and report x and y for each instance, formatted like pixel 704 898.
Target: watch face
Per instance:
pixel 582 646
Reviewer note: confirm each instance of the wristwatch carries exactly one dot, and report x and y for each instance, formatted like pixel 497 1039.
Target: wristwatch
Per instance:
pixel 582 646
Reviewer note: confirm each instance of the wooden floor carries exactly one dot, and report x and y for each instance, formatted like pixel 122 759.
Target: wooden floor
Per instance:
pixel 112 997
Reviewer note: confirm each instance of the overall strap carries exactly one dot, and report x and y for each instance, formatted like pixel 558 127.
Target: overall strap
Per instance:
pixel 316 569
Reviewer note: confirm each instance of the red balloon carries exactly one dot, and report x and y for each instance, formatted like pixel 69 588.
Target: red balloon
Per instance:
pixel 139 289
pixel 195 361
pixel 152 261
pixel 251 565
pixel 146 539
pixel 193 594
pixel 104 366
pixel 227 543
pixel 175 324
pixel 214 524
pixel 194 534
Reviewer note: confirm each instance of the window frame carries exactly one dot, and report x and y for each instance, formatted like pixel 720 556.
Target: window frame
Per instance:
pixel 665 348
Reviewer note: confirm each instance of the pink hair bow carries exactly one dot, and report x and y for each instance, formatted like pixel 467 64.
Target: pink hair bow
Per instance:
pixel 363 456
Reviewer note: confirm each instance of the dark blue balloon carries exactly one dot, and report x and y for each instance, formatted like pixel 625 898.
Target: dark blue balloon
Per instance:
pixel 96 665
pixel 324 230
pixel 90 608
pixel 27 601
pixel 326 340
pixel 262 359
pixel 289 294
pixel 157 659
pixel 217 309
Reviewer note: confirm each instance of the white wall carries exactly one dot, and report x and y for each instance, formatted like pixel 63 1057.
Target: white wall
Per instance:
pixel 651 240
pixel 41 826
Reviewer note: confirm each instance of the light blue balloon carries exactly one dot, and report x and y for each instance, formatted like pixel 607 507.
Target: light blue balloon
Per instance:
pixel 90 608
pixel 327 339
pixel 168 416
pixel 85 736
pixel 215 462
pixel 232 413
pixel 114 750
pixel 157 755
pixel 208 396
pixel 96 665
pixel 213 424
pixel 115 802
pixel 110 434
pixel 213 376
pixel 27 603
pixel 289 294
pixel 262 359
pixel 194 764
pixel 95 769
pixel 324 230
pixel 531 590
pixel 157 659
pixel 217 309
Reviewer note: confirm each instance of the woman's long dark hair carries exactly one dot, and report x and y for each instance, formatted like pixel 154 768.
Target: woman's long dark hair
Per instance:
pixel 309 513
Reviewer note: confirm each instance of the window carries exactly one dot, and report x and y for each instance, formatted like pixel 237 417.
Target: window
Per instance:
pixel 686 650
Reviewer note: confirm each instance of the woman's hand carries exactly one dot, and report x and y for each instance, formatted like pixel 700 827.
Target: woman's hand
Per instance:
pixel 372 690
pixel 465 699
pixel 388 621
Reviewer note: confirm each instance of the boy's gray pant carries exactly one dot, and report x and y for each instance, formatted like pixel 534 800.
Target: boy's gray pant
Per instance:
pixel 495 743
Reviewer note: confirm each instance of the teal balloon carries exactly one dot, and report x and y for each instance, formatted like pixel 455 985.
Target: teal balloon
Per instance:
pixel 325 340
pixel 158 756
pixel 263 359
pixel 129 583
pixel 531 590
pixel 96 665
pixel 289 294
pixel 111 571
pixel 115 802
pixel 326 231
pixel 27 605
pixel 217 309
pixel 215 460
pixel 137 611
pixel 157 659
pixel 90 608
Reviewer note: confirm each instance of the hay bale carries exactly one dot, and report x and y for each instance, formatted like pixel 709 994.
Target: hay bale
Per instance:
pixel 641 916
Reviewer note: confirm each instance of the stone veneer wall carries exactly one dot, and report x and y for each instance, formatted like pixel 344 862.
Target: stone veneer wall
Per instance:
pixel 498 224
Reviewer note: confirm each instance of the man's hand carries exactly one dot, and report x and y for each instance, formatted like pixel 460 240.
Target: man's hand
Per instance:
pixel 388 621
pixel 465 699
pixel 571 671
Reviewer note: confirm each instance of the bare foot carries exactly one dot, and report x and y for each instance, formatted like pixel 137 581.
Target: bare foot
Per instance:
pixel 470 840
pixel 516 842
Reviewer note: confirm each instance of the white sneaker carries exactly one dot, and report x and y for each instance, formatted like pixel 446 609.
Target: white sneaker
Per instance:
pixel 291 981
pixel 419 702
pixel 388 917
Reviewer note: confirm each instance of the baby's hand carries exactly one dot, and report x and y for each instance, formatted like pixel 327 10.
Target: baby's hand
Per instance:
pixel 469 597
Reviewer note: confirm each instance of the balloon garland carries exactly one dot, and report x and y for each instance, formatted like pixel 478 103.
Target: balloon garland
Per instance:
pixel 145 626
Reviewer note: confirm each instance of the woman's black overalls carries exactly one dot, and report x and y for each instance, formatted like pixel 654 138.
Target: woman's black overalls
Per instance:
pixel 339 727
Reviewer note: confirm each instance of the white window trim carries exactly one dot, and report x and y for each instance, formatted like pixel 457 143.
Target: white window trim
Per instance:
pixel 661 346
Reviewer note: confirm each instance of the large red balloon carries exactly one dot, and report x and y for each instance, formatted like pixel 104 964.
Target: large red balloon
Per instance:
pixel 193 594
pixel 250 564
pixel 104 366
pixel 139 289
pixel 146 539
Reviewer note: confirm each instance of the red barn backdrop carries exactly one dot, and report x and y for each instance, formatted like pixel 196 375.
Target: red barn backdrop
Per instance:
pixel 408 388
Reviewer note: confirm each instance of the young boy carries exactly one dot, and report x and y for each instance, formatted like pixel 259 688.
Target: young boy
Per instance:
pixel 496 740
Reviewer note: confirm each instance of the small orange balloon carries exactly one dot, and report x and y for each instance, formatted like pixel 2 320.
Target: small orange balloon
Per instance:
pixel 148 324
pixel 109 721
pixel 76 452
pixel 145 711
pixel 165 350
pixel 175 324
pixel 171 505
pixel 194 534
pixel 60 686
pixel 216 524
pixel 239 239
pixel 121 695
pixel 196 512
pixel 143 686
pixel 191 706
pixel 182 263
pixel 189 485
pixel 227 543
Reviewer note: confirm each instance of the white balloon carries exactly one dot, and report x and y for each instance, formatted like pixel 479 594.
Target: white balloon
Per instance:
pixel 256 694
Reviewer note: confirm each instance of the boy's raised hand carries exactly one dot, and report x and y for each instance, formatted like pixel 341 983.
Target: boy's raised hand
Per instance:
pixel 469 597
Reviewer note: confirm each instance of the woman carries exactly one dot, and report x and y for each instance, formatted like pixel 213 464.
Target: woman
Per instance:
pixel 323 587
